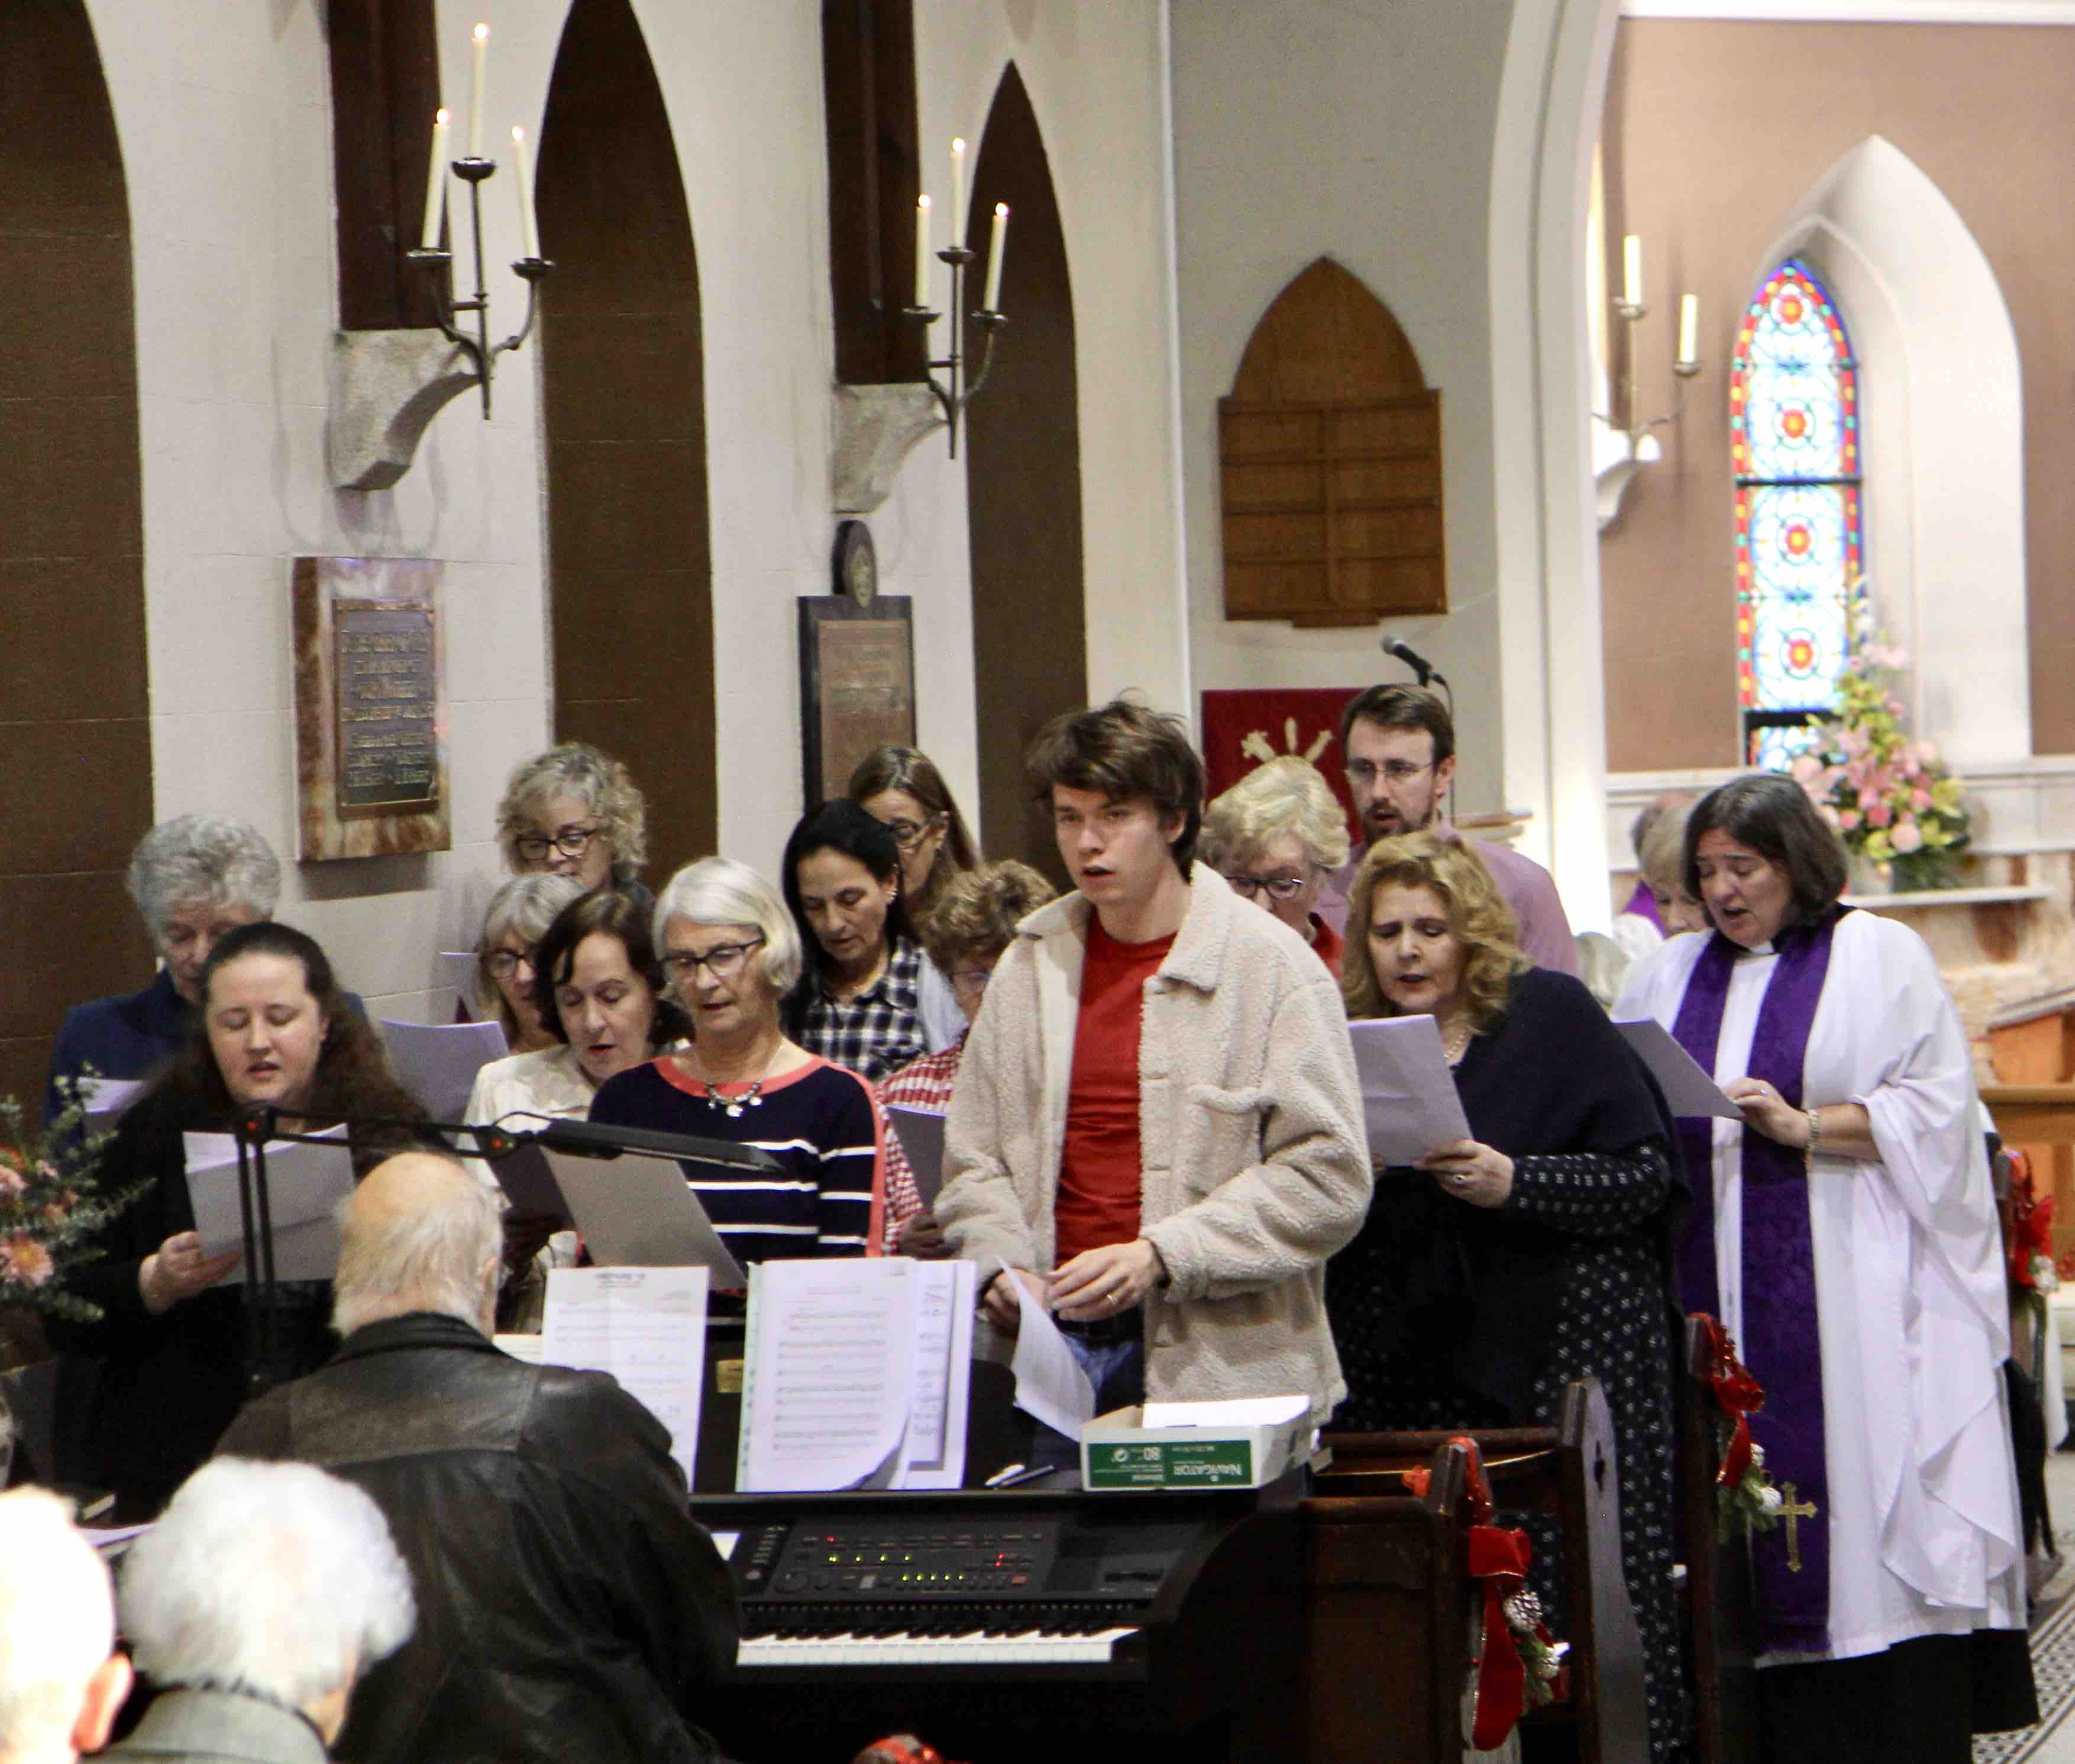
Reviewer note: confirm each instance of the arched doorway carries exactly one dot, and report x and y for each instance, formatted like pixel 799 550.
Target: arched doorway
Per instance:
pixel 629 556
pixel 75 731
pixel 1023 484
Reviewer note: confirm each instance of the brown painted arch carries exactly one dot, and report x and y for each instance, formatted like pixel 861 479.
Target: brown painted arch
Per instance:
pixel 1024 483
pixel 629 549
pixel 75 727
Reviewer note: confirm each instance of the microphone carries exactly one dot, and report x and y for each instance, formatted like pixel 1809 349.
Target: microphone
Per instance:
pixel 1412 659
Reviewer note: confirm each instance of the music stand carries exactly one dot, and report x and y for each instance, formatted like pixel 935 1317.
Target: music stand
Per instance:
pixel 253 1127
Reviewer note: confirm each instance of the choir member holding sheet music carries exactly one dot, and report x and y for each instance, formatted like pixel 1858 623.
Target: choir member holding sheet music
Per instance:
pixel 274 1030
pixel 731 950
pixel 973 922
pixel 1156 1131
pixel 1502 1266
pixel 1846 1233
pixel 599 992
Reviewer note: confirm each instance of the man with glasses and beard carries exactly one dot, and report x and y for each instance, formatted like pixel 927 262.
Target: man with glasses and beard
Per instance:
pixel 1400 743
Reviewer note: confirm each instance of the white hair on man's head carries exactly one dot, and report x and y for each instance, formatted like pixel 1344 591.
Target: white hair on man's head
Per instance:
pixel 57 1621
pixel 426 1256
pixel 719 891
pixel 202 860
pixel 274 1578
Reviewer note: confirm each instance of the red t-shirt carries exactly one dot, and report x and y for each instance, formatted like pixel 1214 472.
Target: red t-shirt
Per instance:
pixel 1101 1168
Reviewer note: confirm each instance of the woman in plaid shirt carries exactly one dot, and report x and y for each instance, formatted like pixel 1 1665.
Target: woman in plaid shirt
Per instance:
pixel 964 937
pixel 869 998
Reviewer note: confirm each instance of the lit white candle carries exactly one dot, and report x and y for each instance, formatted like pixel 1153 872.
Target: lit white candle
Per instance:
pixel 436 184
pixel 921 251
pixel 996 249
pixel 529 225
pixel 482 57
pixel 1632 269
pixel 1689 327
pixel 958 216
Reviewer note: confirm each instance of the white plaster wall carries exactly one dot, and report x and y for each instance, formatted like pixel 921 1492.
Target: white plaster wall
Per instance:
pixel 1363 132
pixel 223 112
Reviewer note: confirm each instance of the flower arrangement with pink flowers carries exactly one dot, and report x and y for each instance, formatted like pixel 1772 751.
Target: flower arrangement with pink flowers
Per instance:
pixel 51 1205
pixel 1890 798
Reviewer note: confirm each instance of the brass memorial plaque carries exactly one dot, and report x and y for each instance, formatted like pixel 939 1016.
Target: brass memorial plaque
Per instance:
pixel 857 684
pixel 388 696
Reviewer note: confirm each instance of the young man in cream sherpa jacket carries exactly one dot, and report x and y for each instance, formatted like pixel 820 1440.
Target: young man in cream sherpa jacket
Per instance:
pixel 1157 1129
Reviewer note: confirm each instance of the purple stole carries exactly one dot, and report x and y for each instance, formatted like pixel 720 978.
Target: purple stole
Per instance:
pixel 1780 1339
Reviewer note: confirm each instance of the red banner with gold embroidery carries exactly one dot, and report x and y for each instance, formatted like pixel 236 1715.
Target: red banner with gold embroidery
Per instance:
pixel 1242 729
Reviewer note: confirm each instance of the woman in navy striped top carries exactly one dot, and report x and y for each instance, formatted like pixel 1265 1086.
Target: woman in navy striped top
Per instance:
pixel 731 950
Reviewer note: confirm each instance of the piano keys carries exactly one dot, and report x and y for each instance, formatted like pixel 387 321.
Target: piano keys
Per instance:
pixel 1001 1624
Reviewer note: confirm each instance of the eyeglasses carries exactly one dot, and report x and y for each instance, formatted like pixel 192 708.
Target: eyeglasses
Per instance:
pixel 724 961
pixel 907 834
pixel 570 841
pixel 504 963
pixel 1363 773
pixel 1282 888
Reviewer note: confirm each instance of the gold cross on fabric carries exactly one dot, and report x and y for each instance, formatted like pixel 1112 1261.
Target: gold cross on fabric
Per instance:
pixel 1795 1512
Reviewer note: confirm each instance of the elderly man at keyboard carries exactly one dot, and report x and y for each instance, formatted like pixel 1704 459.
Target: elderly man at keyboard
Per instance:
pixel 568 1607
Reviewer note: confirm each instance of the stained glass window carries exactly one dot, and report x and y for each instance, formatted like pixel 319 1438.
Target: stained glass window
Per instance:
pixel 1796 444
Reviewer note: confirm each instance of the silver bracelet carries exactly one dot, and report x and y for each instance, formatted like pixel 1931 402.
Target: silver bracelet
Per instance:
pixel 1815 1131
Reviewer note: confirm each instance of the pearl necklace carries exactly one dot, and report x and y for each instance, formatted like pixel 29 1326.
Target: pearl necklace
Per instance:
pixel 1456 1043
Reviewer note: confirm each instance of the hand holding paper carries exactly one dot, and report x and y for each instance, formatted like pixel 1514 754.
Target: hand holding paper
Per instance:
pixel 1408 1096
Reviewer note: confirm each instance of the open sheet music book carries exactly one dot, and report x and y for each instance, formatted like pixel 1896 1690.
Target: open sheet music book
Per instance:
pixel 856 1374
pixel 438 1062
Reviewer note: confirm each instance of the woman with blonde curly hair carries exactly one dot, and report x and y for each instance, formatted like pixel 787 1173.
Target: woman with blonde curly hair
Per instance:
pixel 574 811
pixel 1275 837
pixel 1503 1266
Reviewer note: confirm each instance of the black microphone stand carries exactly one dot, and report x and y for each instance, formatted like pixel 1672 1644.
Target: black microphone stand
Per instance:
pixel 254 1128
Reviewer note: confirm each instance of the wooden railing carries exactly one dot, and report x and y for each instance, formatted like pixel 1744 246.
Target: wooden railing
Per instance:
pixel 2032 1114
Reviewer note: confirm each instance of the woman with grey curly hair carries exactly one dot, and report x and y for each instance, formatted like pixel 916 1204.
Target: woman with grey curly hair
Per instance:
pixel 195 879
pixel 574 811
pixel 1275 837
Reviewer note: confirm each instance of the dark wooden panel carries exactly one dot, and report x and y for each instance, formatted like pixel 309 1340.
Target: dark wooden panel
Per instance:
pixel 1330 450
pixel 92 353
pixel 64 938
pixel 868 89
pixel 65 622
pixel 87 799
pixel 1030 614
pixel 630 564
pixel 385 86
pixel 70 485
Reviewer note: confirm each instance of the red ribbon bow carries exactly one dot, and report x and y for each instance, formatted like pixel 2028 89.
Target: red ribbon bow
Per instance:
pixel 1739 1395
pixel 1498 1556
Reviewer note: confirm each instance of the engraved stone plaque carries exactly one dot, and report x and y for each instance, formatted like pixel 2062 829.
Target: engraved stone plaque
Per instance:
pixel 857 686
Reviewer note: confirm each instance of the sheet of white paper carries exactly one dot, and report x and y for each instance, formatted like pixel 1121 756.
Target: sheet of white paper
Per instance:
pixel 305 1185
pixel 106 1099
pixel 1688 1089
pixel 828 1380
pixel 1238 1412
pixel 640 1212
pixel 934 1455
pixel 921 1131
pixel 645 1326
pixel 1050 1383
pixel 525 1348
pixel 458 969
pixel 438 1062
pixel 725 1542
pixel 1408 1093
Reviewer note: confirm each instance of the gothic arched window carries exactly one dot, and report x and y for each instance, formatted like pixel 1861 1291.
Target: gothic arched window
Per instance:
pixel 1797 450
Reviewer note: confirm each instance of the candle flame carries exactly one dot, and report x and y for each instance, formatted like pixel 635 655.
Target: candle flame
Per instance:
pixel 439 116
pixel 482 33
pixel 1001 211
pixel 518 135
pixel 922 202
pixel 958 143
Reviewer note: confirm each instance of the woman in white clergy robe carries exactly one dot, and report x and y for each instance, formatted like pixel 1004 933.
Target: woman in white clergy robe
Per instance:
pixel 1844 1232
